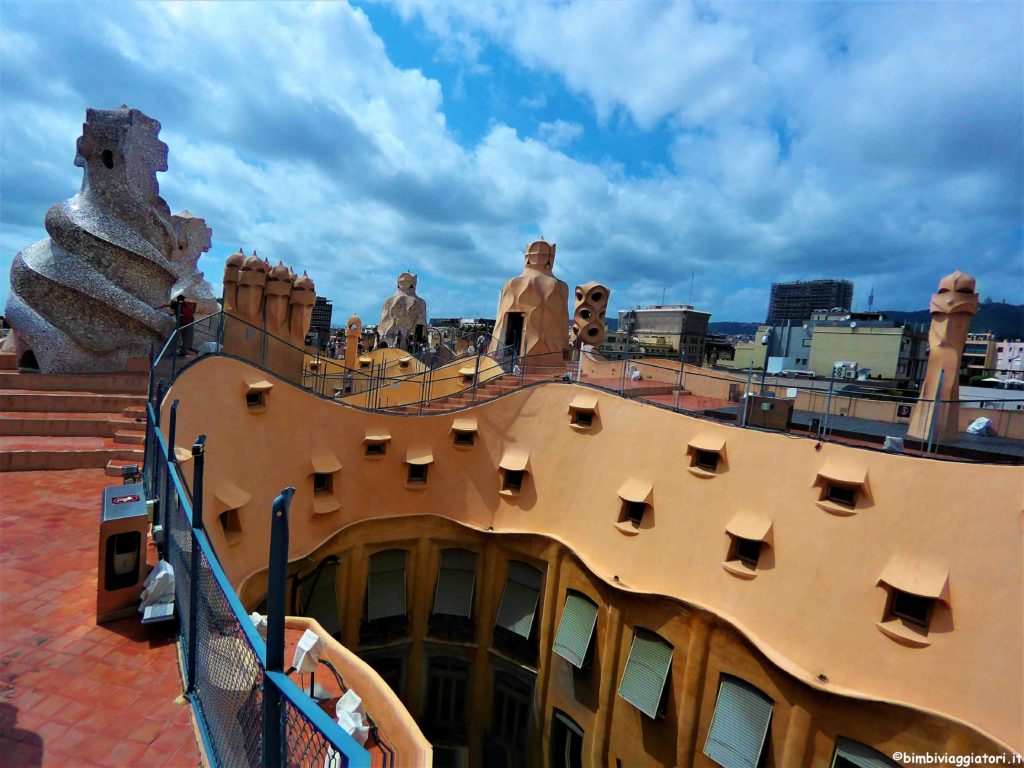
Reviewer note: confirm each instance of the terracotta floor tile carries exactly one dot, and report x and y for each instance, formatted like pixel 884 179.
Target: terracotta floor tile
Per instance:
pixel 84 694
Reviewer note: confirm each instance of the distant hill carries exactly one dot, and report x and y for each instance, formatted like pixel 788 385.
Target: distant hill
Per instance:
pixel 1004 320
pixel 733 329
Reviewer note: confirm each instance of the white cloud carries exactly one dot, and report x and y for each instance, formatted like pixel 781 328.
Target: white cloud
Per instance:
pixel 559 133
pixel 804 141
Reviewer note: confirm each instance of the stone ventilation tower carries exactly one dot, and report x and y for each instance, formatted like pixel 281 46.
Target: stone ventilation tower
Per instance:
pixel 269 311
pixel 533 311
pixel 588 315
pixel 952 307
pixel 403 318
pixel 88 297
pixel 353 330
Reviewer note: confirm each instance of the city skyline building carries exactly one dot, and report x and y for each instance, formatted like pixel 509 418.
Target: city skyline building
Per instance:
pixel 798 300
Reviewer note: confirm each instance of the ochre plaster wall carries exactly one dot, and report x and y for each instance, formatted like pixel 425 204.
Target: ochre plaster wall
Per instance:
pixel 813 611
pixel 805 721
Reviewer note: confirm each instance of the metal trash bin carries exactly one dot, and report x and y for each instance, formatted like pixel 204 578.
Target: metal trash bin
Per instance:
pixel 124 523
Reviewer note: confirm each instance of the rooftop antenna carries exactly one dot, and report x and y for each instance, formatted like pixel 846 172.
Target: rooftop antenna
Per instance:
pixel 690 302
pixel 871 298
pixel 663 296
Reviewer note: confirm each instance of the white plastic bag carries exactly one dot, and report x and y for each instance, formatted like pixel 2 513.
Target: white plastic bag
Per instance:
pixel 260 622
pixel 158 586
pixel 307 652
pixel 352 716
pixel 980 426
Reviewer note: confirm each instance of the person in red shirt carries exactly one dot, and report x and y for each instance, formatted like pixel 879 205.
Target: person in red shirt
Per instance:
pixel 185 314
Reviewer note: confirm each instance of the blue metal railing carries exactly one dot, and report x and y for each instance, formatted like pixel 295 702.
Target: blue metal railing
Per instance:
pixel 247 715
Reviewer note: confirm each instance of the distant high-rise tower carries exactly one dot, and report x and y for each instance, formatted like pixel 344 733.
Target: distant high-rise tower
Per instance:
pixel 798 300
pixel 871 298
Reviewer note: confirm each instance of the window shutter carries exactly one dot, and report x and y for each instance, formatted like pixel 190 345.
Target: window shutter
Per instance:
pixel 386 588
pixel 519 603
pixel 455 582
pixel 650 659
pixel 861 755
pixel 739 726
pixel 576 629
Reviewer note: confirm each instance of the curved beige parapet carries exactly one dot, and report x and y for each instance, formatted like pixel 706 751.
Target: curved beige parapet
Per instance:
pixel 88 297
pixel 382 705
pixel 814 611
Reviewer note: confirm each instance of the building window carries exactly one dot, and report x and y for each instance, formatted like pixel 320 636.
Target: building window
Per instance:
pixel 230 525
pixel 513 631
pixel 445 718
pixel 706 460
pixel 647 668
pixel 254 399
pixel 576 629
pixel 739 727
pixel 706 451
pixel 914 608
pixel 513 480
pixel 464 431
pixel 386 615
pixel 634 511
pixel 317 596
pixel 513 467
pixel 582 418
pixel 566 742
pixel 843 495
pixel 323 482
pixel 582 411
pixel 391 671
pixel 510 720
pixel 453 595
pixel 376 448
pixel 853 754
pixel 417 473
pixel 747 551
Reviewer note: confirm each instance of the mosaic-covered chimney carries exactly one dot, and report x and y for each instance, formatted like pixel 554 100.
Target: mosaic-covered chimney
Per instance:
pixel 89 296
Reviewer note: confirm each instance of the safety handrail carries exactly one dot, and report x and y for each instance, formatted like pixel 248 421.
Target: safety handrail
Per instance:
pixel 160 454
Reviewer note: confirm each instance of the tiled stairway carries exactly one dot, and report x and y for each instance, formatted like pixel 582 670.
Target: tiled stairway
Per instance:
pixel 486 391
pixel 71 421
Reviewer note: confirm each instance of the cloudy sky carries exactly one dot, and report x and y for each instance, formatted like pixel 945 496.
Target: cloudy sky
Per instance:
pixel 735 143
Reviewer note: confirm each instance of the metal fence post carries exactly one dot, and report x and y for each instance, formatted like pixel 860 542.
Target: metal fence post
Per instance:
pixel 823 426
pixel 746 396
pixel 198 458
pixel 161 390
pixel 167 465
pixel 476 375
pixel 934 414
pixel 277 573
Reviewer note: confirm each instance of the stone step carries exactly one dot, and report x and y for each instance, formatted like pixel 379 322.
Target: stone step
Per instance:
pixel 130 437
pixel 61 401
pixel 135 412
pixel 67 424
pixel 129 383
pixel 8 361
pixel 27 453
